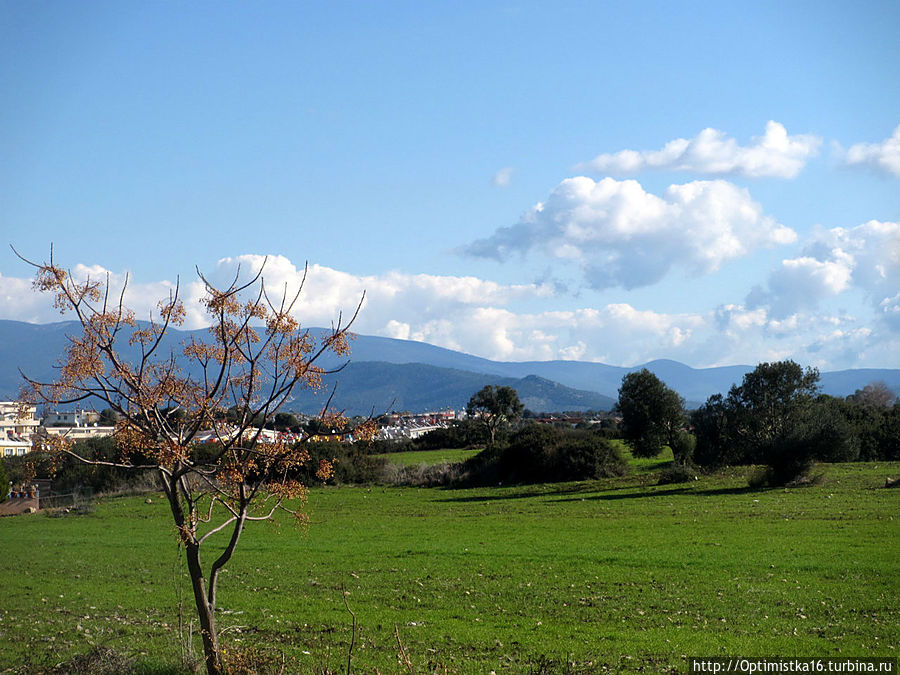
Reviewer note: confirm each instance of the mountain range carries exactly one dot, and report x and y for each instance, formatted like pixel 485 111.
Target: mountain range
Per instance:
pixel 387 374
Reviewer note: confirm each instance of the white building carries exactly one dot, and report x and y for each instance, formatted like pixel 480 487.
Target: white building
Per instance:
pixel 76 425
pixel 17 425
pixel 72 418
pixel 79 433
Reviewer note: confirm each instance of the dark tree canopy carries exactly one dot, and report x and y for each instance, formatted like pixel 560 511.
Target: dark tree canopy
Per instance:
pixel 495 407
pixel 771 405
pixel 652 413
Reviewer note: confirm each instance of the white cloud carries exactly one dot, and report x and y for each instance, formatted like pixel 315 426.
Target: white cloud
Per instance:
pixel 478 316
pixel 804 282
pixel 503 177
pixel 866 257
pixel 616 333
pixel 826 341
pixel 890 310
pixel 21 303
pixel 711 152
pixel 884 156
pixel 624 236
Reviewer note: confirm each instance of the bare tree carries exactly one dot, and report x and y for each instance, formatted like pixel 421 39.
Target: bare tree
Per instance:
pixel 254 357
pixel 875 394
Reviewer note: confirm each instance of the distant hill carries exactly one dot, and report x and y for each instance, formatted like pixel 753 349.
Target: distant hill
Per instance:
pixel 406 375
pixel 365 387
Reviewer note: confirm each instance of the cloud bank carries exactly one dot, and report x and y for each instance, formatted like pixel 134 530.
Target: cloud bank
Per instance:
pixel 711 152
pixel 621 235
pixel 478 316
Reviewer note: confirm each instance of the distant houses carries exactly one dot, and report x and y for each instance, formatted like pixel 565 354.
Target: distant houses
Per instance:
pixel 20 427
pixel 400 426
pixel 17 426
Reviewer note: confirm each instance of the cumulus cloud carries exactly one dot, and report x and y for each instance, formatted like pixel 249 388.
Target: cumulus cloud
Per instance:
pixel 503 177
pixel 803 282
pixel 711 152
pixel 883 157
pixel 866 257
pixel 622 235
pixel 458 312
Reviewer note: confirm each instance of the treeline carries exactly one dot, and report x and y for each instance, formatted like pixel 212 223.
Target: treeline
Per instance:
pixel 776 417
pixel 67 473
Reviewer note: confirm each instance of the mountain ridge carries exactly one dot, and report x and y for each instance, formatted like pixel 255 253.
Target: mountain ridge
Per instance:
pixel 417 373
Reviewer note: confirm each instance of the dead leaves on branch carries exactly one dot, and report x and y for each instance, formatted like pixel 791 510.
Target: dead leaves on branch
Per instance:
pixel 239 356
pixel 255 355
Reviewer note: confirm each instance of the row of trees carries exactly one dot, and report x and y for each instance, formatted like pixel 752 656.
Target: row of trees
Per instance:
pixel 775 417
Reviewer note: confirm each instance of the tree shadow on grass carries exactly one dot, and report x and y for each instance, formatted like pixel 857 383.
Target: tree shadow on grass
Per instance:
pixel 526 491
pixel 618 493
pixel 676 491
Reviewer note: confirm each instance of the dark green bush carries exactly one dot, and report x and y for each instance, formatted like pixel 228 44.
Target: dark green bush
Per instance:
pixel 352 464
pixel 683 448
pixel 69 473
pixel 541 453
pixel 459 434
pixel 677 473
pixel 888 435
pixel 383 447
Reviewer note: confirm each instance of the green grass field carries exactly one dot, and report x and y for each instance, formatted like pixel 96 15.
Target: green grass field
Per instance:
pixel 430 457
pixel 617 575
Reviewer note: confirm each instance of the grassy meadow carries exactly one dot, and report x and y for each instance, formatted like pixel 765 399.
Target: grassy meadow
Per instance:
pixel 615 575
pixel 430 457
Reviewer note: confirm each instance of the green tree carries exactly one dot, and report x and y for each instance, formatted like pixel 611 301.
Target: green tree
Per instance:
pixel 652 413
pixel 889 435
pixel 495 408
pixel 108 417
pixel 285 422
pixel 773 417
pixel 712 427
pixel 771 407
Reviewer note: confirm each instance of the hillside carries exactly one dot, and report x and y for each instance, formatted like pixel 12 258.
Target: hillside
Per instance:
pixel 385 373
pixel 375 386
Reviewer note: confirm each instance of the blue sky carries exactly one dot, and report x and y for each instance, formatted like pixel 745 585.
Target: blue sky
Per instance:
pixel 716 183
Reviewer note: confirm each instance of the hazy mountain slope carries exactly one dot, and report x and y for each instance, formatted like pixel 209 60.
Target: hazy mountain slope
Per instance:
pixel 373 379
pixel 373 386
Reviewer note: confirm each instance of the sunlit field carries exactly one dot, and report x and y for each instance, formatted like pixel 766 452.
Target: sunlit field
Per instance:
pixel 429 457
pixel 618 574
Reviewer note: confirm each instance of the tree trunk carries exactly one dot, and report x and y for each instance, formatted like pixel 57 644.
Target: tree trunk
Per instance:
pixel 205 612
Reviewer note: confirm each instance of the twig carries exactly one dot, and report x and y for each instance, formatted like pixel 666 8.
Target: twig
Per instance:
pixel 353 634
pixel 406 660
